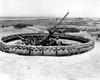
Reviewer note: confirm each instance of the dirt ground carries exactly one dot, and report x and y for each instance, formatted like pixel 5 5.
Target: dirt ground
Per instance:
pixel 85 66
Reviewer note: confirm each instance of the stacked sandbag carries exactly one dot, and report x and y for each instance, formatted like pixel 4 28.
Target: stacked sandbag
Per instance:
pixel 87 44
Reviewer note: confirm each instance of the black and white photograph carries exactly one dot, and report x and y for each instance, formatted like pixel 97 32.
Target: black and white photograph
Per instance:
pixel 49 39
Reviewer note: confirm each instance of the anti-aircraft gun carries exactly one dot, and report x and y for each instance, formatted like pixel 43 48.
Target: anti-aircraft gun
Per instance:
pixel 51 32
pixel 46 40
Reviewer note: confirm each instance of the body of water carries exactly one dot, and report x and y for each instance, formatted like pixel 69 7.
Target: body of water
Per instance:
pixel 22 18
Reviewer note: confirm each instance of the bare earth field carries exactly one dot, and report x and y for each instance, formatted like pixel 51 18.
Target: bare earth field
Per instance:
pixel 85 66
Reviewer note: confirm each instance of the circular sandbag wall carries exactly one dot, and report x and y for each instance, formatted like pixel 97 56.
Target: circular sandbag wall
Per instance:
pixel 87 44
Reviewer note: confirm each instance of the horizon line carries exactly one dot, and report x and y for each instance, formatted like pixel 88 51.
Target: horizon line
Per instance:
pixel 43 17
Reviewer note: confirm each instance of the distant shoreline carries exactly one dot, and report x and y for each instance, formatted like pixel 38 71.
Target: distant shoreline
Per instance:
pixel 21 18
pixel 36 18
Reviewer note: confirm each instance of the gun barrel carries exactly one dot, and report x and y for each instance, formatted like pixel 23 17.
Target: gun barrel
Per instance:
pixel 50 34
pixel 62 19
pixel 59 22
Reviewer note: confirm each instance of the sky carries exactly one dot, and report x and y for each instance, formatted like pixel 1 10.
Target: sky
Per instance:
pixel 50 8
